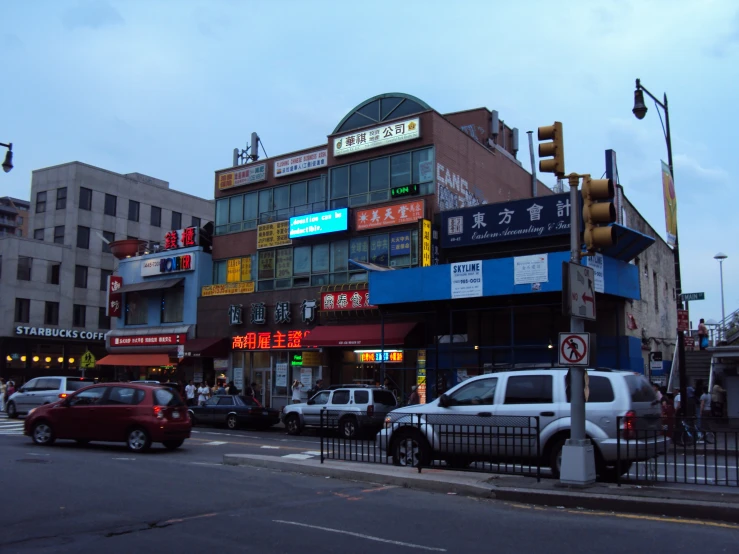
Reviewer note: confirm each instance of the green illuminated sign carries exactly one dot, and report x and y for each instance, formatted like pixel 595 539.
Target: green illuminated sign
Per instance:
pixel 297 360
pixel 407 190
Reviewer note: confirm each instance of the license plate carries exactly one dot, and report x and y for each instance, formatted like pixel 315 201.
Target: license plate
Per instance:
pixel 175 415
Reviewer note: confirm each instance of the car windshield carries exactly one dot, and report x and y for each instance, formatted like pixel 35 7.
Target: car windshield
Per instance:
pixel 77 384
pixel 384 397
pixel 167 397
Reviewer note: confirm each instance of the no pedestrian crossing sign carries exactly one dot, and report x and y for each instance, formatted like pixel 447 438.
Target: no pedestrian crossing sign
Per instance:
pixel 574 349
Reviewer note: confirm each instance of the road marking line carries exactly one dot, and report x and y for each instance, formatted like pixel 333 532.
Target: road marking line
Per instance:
pixel 658 518
pixel 206 464
pixel 270 447
pixel 180 520
pixel 312 452
pixel 128 459
pixel 385 488
pixel 297 456
pixel 361 536
pixel 205 441
pixel 214 443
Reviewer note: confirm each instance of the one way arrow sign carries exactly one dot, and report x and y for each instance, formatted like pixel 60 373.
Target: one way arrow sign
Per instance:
pixel 579 290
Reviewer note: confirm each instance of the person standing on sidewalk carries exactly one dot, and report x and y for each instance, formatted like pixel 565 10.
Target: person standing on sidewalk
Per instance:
pixel 297 386
pixel 702 334
pixel 3 390
pixel 190 393
pixel 203 393
pixel 704 408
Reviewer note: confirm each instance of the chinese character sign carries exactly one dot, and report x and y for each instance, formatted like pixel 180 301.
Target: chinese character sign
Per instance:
pixel 181 238
pixel 114 298
pixel 242 176
pixel 397 214
pixel 234 314
pixel 400 243
pixel 309 308
pixel 227 288
pixel 521 219
pixel 269 340
pixel 282 312
pixel 346 300
pixel 233 270
pixel 425 243
pixel 270 235
pixel 302 162
pixel 258 313
pixel 390 133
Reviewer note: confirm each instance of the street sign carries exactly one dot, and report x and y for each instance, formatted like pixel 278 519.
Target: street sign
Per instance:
pixel 580 291
pixel 689 343
pixel 87 360
pixel 655 361
pixel 574 349
pixel 690 296
pixel 682 320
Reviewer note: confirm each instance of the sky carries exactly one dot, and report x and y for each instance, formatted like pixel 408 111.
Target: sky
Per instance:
pixel 169 88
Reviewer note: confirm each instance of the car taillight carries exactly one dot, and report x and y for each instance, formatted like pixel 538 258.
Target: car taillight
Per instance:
pixel 159 412
pixel 371 409
pixel 629 425
pixel 63 395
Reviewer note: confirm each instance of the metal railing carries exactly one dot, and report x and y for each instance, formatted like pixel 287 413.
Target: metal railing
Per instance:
pixel 695 451
pixel 479 441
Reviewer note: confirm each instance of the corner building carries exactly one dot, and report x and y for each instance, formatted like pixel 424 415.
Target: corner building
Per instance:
pixel 300 308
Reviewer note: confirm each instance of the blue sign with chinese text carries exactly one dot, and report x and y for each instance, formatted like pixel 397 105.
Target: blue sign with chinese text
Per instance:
pixel 542 216
pixel 318 223
pixel 400 243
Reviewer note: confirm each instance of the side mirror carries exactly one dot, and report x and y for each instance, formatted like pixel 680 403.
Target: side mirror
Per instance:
pixel 21 390
pixel 444 401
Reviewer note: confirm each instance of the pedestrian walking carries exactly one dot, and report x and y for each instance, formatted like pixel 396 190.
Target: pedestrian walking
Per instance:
pixel 316 389
pixel 3 390
pixel 221 390
pixel 668 415
pixel 190 393
pixel 232 390
pixel 203 393
pixel 414 398
pixel 717 400
pixel 297 386
pixel 703 334
pixel 655 386
pixel 705 408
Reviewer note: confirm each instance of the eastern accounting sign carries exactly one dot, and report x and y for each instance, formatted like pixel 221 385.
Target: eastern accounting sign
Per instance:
pixel 391 133
pixel 319 223
pixel 245 287
pixel 149 340
pixel 387 216
pixel 300 163
pixel 58 333
pixel 169 264
pixel 243 176
pixel 466 279
pixel 271 235
pixel 542 216
pixel 406 190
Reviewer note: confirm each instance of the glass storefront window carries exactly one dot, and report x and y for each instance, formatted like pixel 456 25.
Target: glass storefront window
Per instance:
pixel 339 182
pixel 298 194
pixel 379 249
pixel 359 249
pixel 251 209
pixel 339 255
pixel 266 264
pixel 320 258
pixel 400 170
pixel 301 260
pixel 137 309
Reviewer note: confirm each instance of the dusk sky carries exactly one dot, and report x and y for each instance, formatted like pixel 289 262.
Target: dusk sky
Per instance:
pixel 168 88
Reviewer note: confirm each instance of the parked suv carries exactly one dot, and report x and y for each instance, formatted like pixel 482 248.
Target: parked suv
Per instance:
pixel 43 390
pixel 422 433
pixel 349 408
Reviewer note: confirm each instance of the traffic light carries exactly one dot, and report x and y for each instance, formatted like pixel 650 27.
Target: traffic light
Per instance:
pixel 598 212
pixel 555 148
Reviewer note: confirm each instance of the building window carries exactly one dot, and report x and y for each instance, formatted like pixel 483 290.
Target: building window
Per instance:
pixel 83 237
pixel 173 302
pixel 176 220
pixel 104 274
pixel 137 309
pixel 133 210
pixel 103 320
pixel 195 222
pixel 156 216
pixel 19 220
pixel 59 234
pixel 51 313
pixel 111 203
pixel 22 310
pixel 19 232
pixel 54 271
pixel 80 276
pixel 61 198
pixel 78 315
pixel 40 202
pixel 656 291
pixel 110 237
pixel 38 234
pixel 85 199
pixel 24 268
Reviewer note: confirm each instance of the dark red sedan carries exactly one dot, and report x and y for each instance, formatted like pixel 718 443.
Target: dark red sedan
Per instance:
pixel 113 412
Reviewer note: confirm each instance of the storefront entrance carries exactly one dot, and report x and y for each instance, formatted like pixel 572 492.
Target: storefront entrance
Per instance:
pixel 263 379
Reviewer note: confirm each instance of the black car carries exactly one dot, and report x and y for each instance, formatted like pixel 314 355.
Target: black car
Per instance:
pixel 234 411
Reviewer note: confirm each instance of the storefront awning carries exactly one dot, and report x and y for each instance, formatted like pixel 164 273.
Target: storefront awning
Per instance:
pixel 153 359
pixel 359 335
pixel 151 285
pixel 207 348
pixel 629 244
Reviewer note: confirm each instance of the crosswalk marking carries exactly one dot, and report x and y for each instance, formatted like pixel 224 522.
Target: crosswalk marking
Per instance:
pixel 10 426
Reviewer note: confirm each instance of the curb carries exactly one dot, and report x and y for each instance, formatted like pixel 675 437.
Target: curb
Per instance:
pixel 566 497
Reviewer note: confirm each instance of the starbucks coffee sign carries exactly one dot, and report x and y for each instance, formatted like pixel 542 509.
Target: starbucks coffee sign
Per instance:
pixel 59 333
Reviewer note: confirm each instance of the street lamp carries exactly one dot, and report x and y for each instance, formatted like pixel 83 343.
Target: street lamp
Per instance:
pixel 721 257
pixel 640 110
pixel 8 162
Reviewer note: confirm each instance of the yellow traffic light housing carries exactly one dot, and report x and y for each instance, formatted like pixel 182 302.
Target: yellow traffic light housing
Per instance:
pixel 555 149
pixel 598 212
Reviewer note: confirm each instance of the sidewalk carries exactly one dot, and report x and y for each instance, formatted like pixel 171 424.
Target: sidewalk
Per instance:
pixel 707 503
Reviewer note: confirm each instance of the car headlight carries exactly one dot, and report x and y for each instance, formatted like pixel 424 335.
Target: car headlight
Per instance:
pixel 31 411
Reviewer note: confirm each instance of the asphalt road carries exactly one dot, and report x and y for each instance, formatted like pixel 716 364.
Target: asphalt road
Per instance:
pixel 101 498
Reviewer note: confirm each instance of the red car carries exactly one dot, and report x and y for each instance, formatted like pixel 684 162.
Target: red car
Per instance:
pixel 113 412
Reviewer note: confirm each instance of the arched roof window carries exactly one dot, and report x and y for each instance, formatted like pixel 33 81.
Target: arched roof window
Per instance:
pixel 381 108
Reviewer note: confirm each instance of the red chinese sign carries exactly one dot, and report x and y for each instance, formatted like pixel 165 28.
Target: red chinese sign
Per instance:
pixel 181 238
pixel 346 300
pixel 397 214
pixel 690 343
pixel 114 307
pixel 149 340
pixel 682 320
pixel 269 340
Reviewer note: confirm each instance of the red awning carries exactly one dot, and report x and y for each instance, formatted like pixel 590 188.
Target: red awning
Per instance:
pixel 358 335
pixel 153 359
pixel 207 348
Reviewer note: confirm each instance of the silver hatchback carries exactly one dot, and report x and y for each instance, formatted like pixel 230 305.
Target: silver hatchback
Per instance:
pixel 43 390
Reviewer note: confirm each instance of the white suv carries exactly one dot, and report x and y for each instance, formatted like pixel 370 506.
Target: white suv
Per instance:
pixel 43 390
pixel 460 427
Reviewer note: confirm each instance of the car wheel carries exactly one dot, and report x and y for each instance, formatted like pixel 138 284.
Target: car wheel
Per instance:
pixel 348 428
pixel 12 412
pixel 555 457
pixel 231 422
pixel 292 424
pixel 138 440
pixel 173 445
pixel 43 434
pixel 193 419
pixel 411 449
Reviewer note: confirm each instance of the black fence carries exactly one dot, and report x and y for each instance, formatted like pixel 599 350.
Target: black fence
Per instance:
pixel 503 444
pixel 695 451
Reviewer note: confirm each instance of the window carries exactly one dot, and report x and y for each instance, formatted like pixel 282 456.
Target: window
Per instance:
pixel 195 222
pixel 89 397
pixel 51 313
pixel 641 390
pixel 251 210
pixel 83 237
pixel 110 237
pixel 378 249
pixel 61 198
pixel 137 309
pixel 284 268
pixel 40 202
pixel 19 220
pixel 340 397
pixel 85 199
pixel 266 270
pixel 384 397
pixel 38 234
pixel 600 390
pixel 104 274
pixel 529 389
pixel 656 291
pixel 321 398
pixel 281 200
pixel 59 234
pixel 301 260
pixel 225 401
pixel 125 396
pixel 173 300
pixel 166 397
pixel 133 210
pixel 22 310
pixel 265 206
pixel 176 220
pixel 77 384
pixel 111 203
pixel 103 320
pixel 24 268
pixel 361 397
pixel 339 261
pixel 48 383
pixel 248 401
pixel 54 271
pixel 156 216
pixel 80 276
pixel 478 392
pixel 78 315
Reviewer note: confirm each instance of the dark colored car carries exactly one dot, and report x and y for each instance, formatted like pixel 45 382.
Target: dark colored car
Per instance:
pixel 233 411
pixel 113 412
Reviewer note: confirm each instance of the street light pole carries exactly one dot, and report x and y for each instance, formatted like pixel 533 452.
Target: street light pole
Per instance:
pixel 640 110
pixel 721 257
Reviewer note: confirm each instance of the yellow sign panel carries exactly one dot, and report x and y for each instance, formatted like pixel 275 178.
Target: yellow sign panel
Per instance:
pixel 668 191
pixel 246 269
pixel 270 235
pixel 425 243
pixel 311 359
pixel 228 288
pixel 233 270
pixel 87 360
